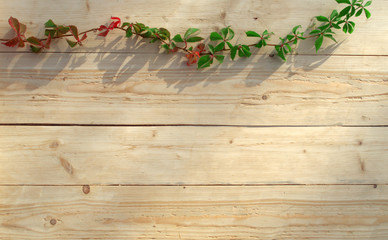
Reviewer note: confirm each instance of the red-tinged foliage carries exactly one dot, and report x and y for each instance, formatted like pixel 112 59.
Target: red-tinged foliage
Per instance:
pixel 19 29
pixel 74 32
pixel 195 55
pixel 105 30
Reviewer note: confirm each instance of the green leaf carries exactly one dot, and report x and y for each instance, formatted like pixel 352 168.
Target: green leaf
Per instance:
pixel 261 44
pixel 233 52
pixel 244 51
pixel 252 34
pixel 125 24
pixel 74 31
pixel 34 40
pixel 351 27
pixel 296 28
pixel 164 33
pixel 128 33
pixel 368 3
pixel 194 39
pixel 345 28
pixel 231 34
pixel 219 47
pixel 359 12
pixel 204 61
pixel 288 47
pixel 211 48
pixel 367 13
pixel 36 49
pixel 315 31
pixel 345 11
pixel 330 36
pixel 343 1
pixel 333 14
pixel 50 24
pixel 224 32
pixel 318 43
pixel 280 52
pixel 322 19
pixel 214 36
pixel 220 58
pixel 230 45
pixel 190 32
pixel 51 32
pixel 227 33
pixel 178 38
pixel 137 28
pixel 71 43
pixel 62 30
pixel 336 26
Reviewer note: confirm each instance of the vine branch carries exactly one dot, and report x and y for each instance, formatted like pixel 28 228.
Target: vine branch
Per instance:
pixel 202 54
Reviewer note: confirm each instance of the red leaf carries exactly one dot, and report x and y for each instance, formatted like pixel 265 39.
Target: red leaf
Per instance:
pixel 192 58
pixel 48 42
pixel 12 43
pixel 103 34
pixel 15 25
pixel 116 23
pixel 35 41
pixel 74 32
pixel 84 37
pixel 102 27
pixel 21 42
pixel 23 29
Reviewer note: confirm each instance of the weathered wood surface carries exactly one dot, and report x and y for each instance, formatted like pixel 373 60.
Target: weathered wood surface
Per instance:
pixel 193 155
pixel 266 212
pixel 149 89
pixel 278 16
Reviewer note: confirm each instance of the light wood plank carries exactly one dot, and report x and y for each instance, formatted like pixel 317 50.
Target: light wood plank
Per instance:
pixel 178 15
pixel 193 155
pixel 121 89
pixel 273 212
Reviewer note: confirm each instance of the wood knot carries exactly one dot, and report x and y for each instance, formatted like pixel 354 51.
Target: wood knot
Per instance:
pixel 54 144
pixel 86 189
pixel 53 221
pixel 264 97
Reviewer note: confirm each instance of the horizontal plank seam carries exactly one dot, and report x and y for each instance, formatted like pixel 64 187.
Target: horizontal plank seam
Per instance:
pixel 177 125
pixel 192 185
pixel 148 53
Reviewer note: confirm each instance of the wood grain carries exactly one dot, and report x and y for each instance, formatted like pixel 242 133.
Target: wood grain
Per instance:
pixel 277 16
pixel 273 212
pixel 193 155
pixel 122 89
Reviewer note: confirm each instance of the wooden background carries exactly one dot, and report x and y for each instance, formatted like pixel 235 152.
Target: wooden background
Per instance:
pixel 116 141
